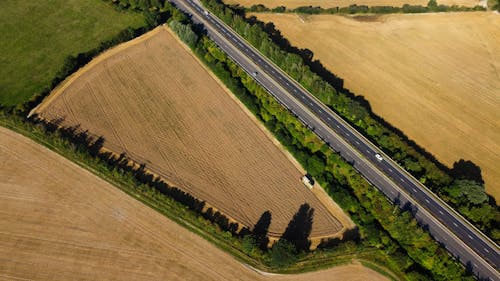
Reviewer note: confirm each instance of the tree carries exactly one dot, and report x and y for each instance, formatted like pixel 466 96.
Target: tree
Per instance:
pixel 467 192
pixel 282 253
pixel 432 5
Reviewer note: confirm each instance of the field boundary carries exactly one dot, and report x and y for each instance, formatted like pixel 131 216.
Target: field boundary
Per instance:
pixel 318 191
pixel 331 207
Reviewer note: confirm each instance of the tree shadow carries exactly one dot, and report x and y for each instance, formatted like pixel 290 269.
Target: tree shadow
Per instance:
pixel 466 169
pixel 261 229
pixel 299 228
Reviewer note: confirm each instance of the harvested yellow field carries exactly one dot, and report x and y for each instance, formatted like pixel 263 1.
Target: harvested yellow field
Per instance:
pixel 154 101
pixel 344 3
pixel 60 222
pixel 434 76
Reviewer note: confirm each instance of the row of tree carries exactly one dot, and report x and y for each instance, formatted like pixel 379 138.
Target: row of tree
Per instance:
pixel 432 7
pixel 329 89
pixel 417 255
pixel 381 225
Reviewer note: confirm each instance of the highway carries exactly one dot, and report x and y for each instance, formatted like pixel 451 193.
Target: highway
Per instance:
pixel 459 237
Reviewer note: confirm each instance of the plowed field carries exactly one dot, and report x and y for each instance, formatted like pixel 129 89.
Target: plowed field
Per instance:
pixel 153 100
pixel 436 77
pixel 60 222
pixel 345 3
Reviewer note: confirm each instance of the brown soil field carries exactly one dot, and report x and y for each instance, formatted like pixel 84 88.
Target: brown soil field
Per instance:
pixel 153 100
pixel 60 222
pixel 434 76
pixel 345 3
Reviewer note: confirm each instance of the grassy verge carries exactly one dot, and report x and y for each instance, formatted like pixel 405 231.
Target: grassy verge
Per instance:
pixel 178 212
pixel 37 36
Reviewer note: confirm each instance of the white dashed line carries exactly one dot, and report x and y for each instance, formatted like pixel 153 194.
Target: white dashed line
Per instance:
pixel 470 236
pixel 427 201
pixel 414 190
pixel 390 170
pixel 338 126
pixel 402 179
pixel 456 225
pixel 441 212
pixel 486 250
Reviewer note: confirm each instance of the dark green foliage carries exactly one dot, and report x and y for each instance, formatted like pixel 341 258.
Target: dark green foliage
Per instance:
pixel 283 254
pixel 363 9
pixel 299 66
pixel 185 32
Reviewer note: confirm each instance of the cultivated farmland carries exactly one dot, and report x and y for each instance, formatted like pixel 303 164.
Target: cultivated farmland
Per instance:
pixel 60 222
pixel 434 76
pixel 152 100
pixel 38 35
pixel 345 3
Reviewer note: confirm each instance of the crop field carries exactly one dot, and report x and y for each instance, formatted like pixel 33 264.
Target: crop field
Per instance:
pixel 436 77
pixel 153 100
pixel 345 3
pixel 38 35
pixel 60 222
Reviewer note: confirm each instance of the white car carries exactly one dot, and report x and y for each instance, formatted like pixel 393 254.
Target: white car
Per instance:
pixel 379 157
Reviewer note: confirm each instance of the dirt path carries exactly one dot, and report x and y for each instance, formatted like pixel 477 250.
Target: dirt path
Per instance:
pixel 60 222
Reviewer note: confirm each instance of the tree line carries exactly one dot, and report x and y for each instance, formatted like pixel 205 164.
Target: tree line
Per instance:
pixel 485 214
pixel 432 7
pixel 381 225
pixel 402 245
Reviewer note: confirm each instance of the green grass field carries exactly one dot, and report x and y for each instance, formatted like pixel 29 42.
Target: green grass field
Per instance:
pixel 38 35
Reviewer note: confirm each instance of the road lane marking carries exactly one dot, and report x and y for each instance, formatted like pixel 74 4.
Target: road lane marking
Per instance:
pixel 368 151
pixel 470 236
pixel 390 170
pixel 338 126
pixel 414 190
pixel 456 225
pixel 441 212
pixel 486 250
pixel 402 179
pixel 357 142
pixel 427 201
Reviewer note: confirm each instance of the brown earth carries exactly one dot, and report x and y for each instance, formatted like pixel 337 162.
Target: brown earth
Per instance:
pixel 345 3
pixel 151 99
pixel 434 76
pixel 60 222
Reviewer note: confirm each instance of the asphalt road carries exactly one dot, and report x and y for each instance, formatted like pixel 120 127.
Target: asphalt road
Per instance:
pixel 459 237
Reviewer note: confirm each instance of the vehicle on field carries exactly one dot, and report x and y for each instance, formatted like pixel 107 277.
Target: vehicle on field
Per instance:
pixel 308 181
